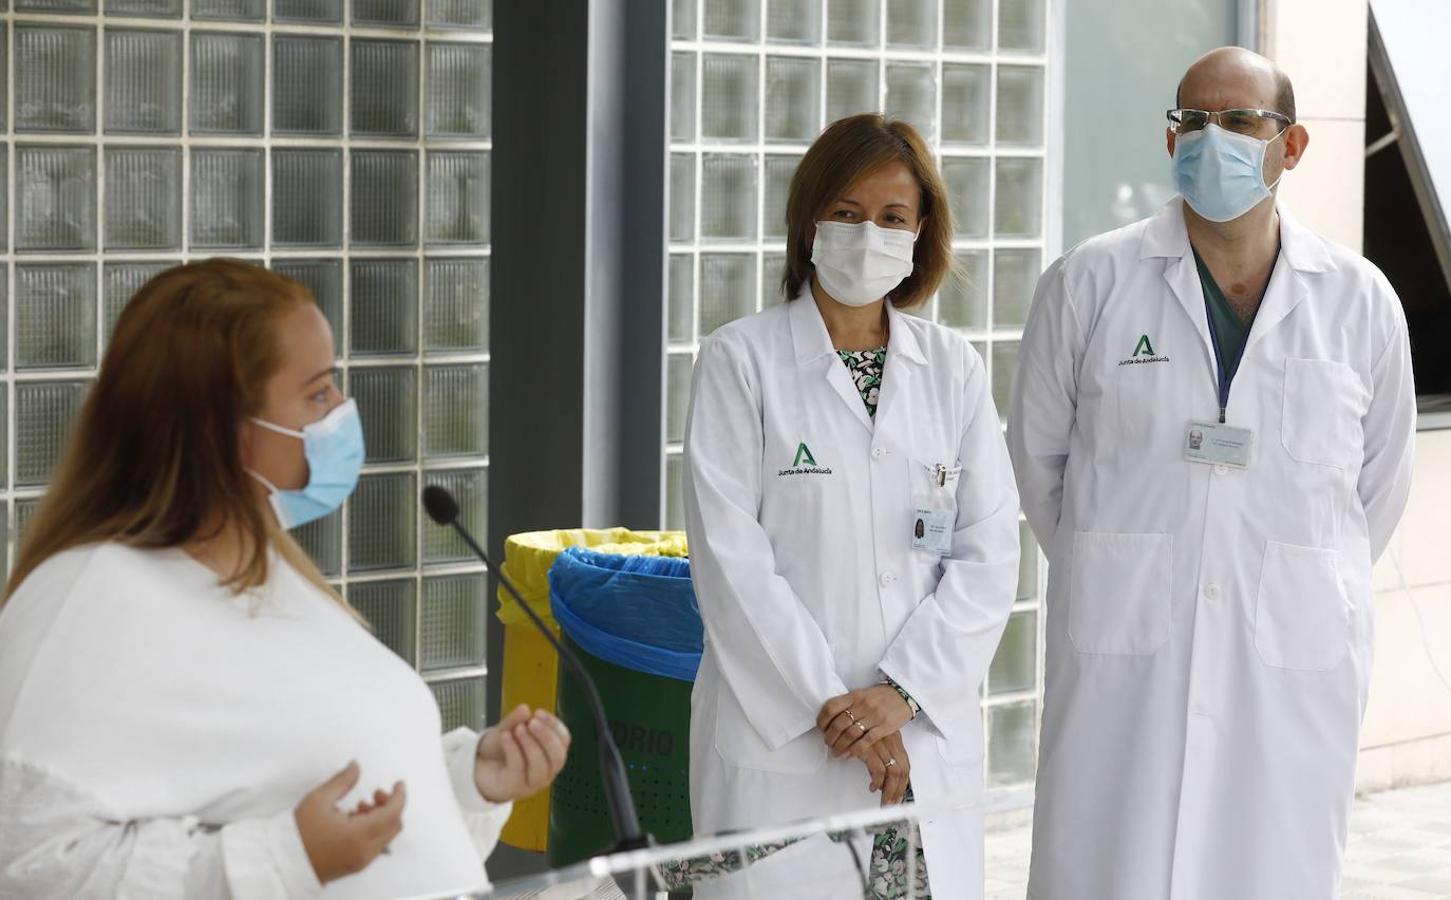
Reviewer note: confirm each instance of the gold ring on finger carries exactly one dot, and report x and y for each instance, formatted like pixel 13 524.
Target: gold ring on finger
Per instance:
pixel 891 762
pixel 862 727
pixel 848 714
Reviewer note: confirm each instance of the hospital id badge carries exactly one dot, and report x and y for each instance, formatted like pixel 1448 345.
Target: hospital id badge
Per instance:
pixel 932 530
pixel 1218 445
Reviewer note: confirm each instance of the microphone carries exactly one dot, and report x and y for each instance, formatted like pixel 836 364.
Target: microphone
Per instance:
pixel 443 509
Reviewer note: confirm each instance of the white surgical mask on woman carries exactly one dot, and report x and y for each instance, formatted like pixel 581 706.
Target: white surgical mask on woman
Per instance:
pixel 861 263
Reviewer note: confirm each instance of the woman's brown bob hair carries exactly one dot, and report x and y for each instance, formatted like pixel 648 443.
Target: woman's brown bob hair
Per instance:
pixel 846 151
pixel 154 457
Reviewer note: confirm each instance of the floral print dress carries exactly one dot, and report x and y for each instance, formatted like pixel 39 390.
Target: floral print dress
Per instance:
pixel 887 875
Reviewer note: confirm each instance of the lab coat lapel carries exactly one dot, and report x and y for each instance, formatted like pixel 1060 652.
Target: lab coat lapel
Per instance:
pixel 1300 252
pixel 818 358
pixel 904 354
pixel 1167 237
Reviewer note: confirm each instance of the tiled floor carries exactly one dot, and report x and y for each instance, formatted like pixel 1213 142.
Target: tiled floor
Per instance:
pixel 1400 849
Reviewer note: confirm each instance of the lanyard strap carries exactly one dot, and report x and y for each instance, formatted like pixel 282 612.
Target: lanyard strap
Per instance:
pixel 1220 371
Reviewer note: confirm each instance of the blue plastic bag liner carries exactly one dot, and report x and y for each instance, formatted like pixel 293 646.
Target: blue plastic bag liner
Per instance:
pixel 638 612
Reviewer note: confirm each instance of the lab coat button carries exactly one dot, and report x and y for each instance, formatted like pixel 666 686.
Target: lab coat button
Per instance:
pixel 887 579
pixel 1212 592
pixel 878 452
pixel 1221 470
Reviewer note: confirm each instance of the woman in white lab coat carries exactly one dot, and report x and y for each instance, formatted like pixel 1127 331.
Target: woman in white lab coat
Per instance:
pixel 845 642
pixel 187 709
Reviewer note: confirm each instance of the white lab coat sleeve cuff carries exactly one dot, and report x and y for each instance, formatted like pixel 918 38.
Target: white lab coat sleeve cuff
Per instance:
pixel 484 818
pixel 265 858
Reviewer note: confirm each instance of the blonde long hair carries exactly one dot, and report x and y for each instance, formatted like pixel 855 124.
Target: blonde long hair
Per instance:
pixel 154 457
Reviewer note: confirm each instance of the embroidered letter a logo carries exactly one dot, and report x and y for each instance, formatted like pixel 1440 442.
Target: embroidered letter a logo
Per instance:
pixel 1144 348
pixel 803 453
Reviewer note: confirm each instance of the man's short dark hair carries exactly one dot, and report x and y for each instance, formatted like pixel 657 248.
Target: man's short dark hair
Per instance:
pixel 1284 95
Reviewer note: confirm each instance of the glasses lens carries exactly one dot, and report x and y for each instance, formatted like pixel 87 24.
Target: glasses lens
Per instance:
pixel 1241 121
pixel 1191 119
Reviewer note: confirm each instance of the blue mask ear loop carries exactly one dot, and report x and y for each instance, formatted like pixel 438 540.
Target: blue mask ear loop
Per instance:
pixel 1281 134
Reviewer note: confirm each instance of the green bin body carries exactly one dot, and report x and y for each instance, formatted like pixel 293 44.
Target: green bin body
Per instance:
pixel 650 718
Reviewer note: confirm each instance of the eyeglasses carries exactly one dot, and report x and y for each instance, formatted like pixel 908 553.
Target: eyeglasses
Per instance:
pixel 1240 121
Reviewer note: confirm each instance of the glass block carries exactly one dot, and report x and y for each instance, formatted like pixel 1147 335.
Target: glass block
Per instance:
pixel 1021 25
pixel 732 20
pixel 674 493
pixel 678 368
pixel 143 81
pixel 143 198
pixel 1020 106
pixel 384 306
pixel 1012 734
pixel 966 109
pixel 307 85
pixel 793 21
pixel 226 83
pixel 773 274
pixel 460 703
pixel 43 414
pixel 854 23
pixel 966 178
pixel 4 111
pixel 682 196
pixel 1018 203
pixel 1015 667
pixel 55 78
pixel 385 198
pixel 456 306
pixel 4 462
pixel 235 10
pixel 962 299
pixel 385 12
pixel 121 282
pixel 456 410
pixel 472 14
pixel 851 88
pixel 382 517
pixel 324 11
pixel 388 405
pixel 912 24
pixel 458 197
pixel 727 288
pixel 307 198
pixel 912 95
pixel 471 488
pixel 56 6
pixel 227 201
pixel 323 541
pixel 1015 275
pixel 323 278
pixel 391 607
pixel 385 88
pixel 55 209
pixel 967 24
pixel 460 96
pixel 682 96
pixel 728 197
pixel 681 328
pixel 793 99
pixel 1005 369
pixel 1027 563
pixel 452 633
pixel 150 9
pixel 682 19
pixel 728 97
pixel 55 316
pixel 779 170
pixel 25 508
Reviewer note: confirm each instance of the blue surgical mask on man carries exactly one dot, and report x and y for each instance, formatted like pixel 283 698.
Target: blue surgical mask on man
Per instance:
pixel 1220 173
pixel 333 447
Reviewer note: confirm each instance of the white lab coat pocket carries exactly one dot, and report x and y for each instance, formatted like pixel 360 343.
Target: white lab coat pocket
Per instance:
pixel 1323 404
pixel 1302 616
pixel 740 745
pixel 1119 591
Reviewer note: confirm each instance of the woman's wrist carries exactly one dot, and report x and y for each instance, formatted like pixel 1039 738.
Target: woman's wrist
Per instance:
pixel 902 692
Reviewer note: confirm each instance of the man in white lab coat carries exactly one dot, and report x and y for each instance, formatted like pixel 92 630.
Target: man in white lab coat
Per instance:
pixel 1211 428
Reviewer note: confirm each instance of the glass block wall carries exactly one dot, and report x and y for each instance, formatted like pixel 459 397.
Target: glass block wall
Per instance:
pixel 342 142
pixel 752 84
